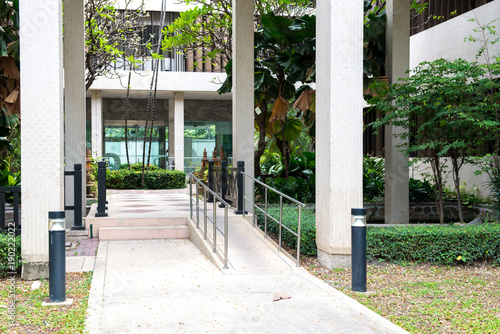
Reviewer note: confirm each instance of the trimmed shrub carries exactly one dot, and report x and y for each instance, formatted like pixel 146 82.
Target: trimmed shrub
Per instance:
pixel 155 179
pixel 290 218
pixel 443 244
pixel 9 254
pixel 435 244
pixel 138 167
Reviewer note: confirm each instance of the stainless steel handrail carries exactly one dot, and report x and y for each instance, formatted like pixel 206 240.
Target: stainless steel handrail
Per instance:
pixel 266 215
pixel 206 218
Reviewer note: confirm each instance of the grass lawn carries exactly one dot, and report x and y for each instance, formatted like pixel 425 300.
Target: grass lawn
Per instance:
pixel 32 317
pixel 424 298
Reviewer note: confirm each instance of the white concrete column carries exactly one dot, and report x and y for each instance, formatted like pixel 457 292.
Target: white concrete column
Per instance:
pixel 74 97
pixel 339 127
pixel 97 123
pixel 397 63
pixel 243 83
pixel 42 136
pixel 179 130
pixel 171 131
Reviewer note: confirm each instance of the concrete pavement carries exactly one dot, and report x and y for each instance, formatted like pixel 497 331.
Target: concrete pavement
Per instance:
pixel 170 286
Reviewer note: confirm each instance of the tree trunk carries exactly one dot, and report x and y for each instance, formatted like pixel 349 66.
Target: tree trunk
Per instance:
pixel 438 178
pixel 261 144
pixel 155 76
pixel 126 118
pixel 283 147
pixel 456 180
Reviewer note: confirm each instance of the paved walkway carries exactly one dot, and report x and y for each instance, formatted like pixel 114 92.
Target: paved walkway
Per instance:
pixel 169 286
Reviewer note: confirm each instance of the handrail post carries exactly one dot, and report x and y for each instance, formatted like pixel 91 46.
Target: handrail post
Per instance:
pixel 226 232
pixel 254 206
pixel 191 195
pixel 223 179
pixel 265 212
pixel 215 226
pixel 239 182
pixel 101 189
pixel 197 207
pixel 211 184
pixel 281 222
pixel 77 225
pixel 243 195
pixel 205 212
pixel 298 237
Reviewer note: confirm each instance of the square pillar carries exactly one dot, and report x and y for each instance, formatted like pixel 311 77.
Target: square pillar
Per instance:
pixel 97 124
pixel 179 130
pixel 396 163
pixel 74 98
pixel 42 136
pixel 339 127
pixel 243 87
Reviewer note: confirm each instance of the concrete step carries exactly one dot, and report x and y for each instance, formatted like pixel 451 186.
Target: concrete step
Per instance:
pixel 99 223
pixel 75 235
pixel 143 232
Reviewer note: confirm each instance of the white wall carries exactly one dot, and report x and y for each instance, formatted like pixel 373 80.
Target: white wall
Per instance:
pixel 471 183
pixel 167 81
pixel 446 40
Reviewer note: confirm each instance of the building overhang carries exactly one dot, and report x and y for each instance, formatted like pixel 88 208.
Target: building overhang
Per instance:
pixel 194 85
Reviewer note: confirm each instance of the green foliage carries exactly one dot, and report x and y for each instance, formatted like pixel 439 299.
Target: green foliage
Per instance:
pixel 422 191
pixel 155 179
pixel 373 178
pixel 290 219
pixel 137 167
pixel 298 188
pixel 445 110
pixel 374 183
pixel 108 32
pixel 435 244
pixel 301 182
pixel 494 187
pixel 374 39
pixel 444 244
pixel 9 254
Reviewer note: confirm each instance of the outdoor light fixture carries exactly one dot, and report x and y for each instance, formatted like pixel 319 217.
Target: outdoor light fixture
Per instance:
pixel 358 249
pixel 57 257
pixel 56 220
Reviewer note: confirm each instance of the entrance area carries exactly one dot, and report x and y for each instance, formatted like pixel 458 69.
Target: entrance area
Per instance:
pixel 198 136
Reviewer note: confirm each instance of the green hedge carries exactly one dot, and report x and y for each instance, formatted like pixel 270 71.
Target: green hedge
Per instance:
pixel 443 244
pixel 290 218
pixel 436 244
pixel 155 179
pixel 6 254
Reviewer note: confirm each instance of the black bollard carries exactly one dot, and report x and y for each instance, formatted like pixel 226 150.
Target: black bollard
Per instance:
pixel 57 257
pixel 211 184
pixel 223 180
pixel 101 189
pixel 358 249
pixel 78 225
pixel 239 184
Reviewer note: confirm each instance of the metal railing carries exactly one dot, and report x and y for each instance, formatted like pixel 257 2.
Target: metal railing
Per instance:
pixel 10 224
pixel 206 217
pixel 279 221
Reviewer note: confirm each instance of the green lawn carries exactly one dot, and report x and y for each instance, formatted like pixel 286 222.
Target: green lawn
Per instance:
pixel 32 317
pixel 424 298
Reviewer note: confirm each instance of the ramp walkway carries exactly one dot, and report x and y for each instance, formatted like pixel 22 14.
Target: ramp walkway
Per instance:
pixel 171 286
